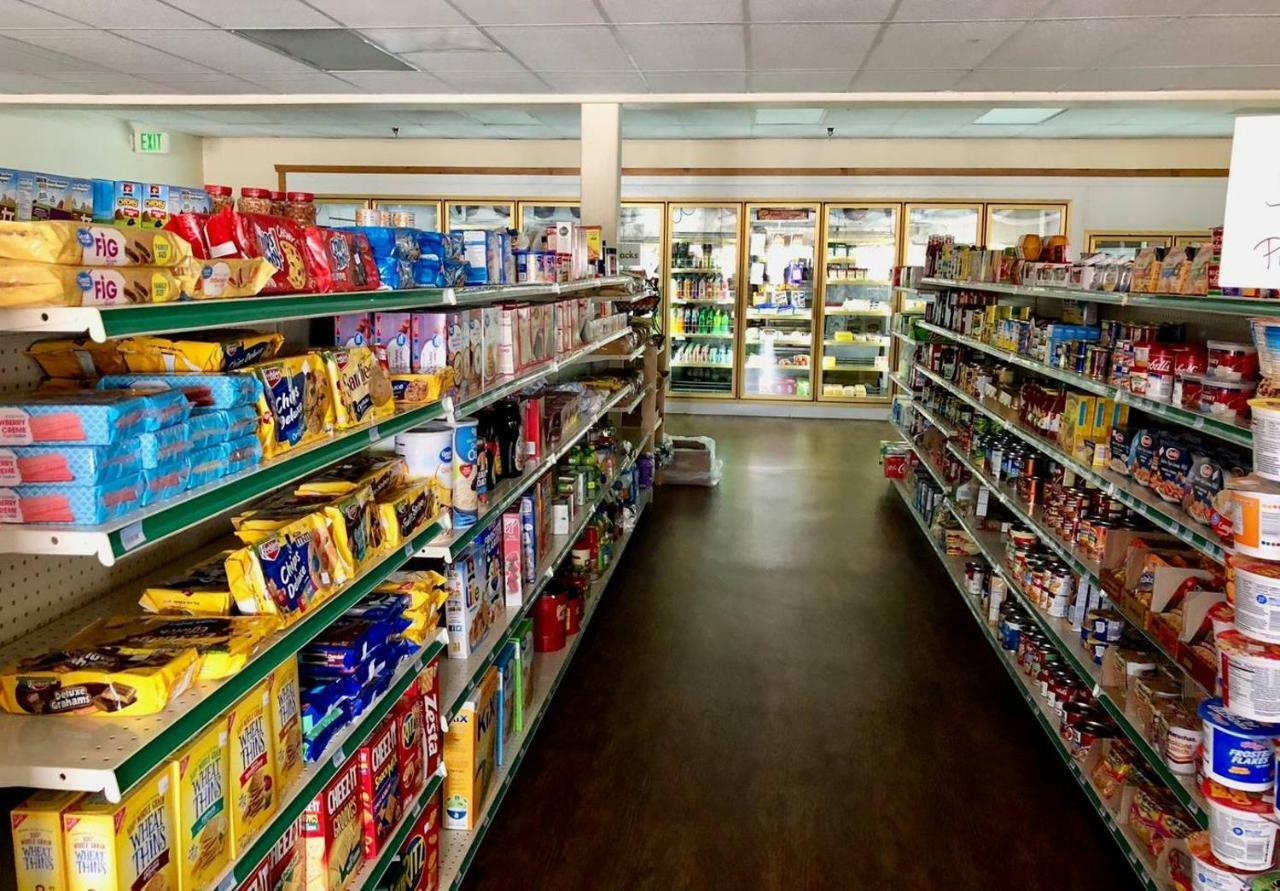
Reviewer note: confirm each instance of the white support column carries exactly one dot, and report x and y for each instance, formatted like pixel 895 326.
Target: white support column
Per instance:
pixel 601 165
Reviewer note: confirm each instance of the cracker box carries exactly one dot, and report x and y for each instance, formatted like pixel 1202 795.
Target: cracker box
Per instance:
pixel 428 333
pixel 512 570
pixel 522 637
pixel 417 866
pixel 36 827
pixel 379 780
pixel 465 615
pixel 392 339
pixel 506 664
pixel 254 790
pixel 286 723
pixel 491 337
pixel 332 849
pixel 353 329
pixel 469 752
pixel 432 743
pixel 199 773
pixel 408 719
pixel 128 845
pixel 281 869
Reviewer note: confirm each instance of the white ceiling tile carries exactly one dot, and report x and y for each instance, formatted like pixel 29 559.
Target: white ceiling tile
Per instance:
pixel 15 14
pixel 392 13
pixel 201 81
pixel 474 63
pixel 697 81
pixel 395 81
pixel 1122 79
pixel 108 82
pixel 1002 79
pixel 1107 8
pixel 22 58
pixel 583 48
pixel 1249 77
pixel 953 45
pixel 596 82
pixel 515 82
pixel 780 47
pixel 660 11
pixel 313 82
pixel 121 14
pixel 104 49
pixel 907 80
pixel 685 47
pixel 417 40
pixel 256 13
pixel 966 10
pixel 14 82
pixel 524 12
pixel 1206 42
pixel 1074 43
pixel 224 52
pixel 819 10
pixel 799 81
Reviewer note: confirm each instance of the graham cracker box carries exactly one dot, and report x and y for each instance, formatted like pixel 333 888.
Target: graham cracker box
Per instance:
pixel 281 869
pixel 254 790
pixel 286 723
pixel 469 753
pixel 332 849
pixel 199 773
pixel 379 778
pixel 125 845
pixel 36 827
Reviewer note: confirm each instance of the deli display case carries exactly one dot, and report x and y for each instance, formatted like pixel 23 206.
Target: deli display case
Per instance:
pixel 778 311
pixel 481 214
pixel 702 293
pixel 861 249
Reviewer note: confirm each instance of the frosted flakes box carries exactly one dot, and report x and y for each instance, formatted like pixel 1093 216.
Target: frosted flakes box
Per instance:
pixel 379 777
pixel 130 844
pixel 199 773
pixel 286 722
pixel 331 832
pixel 253 787
pixel 38 850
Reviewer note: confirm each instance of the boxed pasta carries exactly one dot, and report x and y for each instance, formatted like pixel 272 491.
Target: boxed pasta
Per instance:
pixel 469 753
pixel 38 848
pixel 200 774
pixel 331 832
pixel 129 844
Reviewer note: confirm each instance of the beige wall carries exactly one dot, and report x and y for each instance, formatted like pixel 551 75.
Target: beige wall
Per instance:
pixel 90 146
pixel 237 162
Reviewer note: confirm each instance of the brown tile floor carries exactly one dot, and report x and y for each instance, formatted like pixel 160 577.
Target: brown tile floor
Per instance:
pixel 781 690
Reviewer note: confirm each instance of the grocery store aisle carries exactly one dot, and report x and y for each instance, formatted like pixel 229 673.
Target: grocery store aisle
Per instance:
pixel 781 689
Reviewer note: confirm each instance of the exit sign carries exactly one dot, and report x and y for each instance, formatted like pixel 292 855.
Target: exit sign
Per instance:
pixel 151 142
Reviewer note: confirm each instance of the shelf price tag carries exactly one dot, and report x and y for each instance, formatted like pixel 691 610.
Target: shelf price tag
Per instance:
pixel 132 536
pixel 337 758
pixel 374 435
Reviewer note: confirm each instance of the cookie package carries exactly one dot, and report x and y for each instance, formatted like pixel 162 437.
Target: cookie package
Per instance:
pixel 68 243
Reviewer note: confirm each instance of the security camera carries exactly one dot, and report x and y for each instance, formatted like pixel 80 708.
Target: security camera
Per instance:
pixel 831 131
pixel 395 131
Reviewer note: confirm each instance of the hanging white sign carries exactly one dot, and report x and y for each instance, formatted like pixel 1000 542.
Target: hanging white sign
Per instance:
pixel 629 255
pixel 1251 223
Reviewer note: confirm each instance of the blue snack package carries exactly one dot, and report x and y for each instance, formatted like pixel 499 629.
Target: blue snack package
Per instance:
pixel 210 426
pixel 202 390
pixel 71 505
pixel 347 642
pixel 69 465
pixel 362 671
pixel 317 739
pixel 167 444
pixel 165 408
pixel 79 418
pixel 320 700
pixel 166 481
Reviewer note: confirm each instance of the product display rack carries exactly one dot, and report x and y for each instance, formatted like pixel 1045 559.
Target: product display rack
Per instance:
pixel 1236 433
pixel 928 414
pixel 1235 306
pixel 1047 720
pixel 703 241
pixel 458 848
pixel 901 383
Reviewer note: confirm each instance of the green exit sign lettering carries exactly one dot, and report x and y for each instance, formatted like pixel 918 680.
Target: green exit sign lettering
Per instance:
pixel 152 142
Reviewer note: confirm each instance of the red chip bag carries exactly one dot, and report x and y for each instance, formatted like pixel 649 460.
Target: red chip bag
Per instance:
pixel 277 240
pixel 190 227
pixel 364 265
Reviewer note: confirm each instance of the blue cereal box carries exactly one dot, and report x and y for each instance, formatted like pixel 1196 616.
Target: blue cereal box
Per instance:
pixel 71 505
pixel 17 193
pixel 117 201
pixel 507 672
pixel 62 198
pixel 69 465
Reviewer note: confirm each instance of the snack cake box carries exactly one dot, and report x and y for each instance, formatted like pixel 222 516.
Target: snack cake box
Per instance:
pixel 469 751
pixel 432 742
pixel 253 787
pixel 286 723
pixel 379 776
pixel 353 329
pixel 393 341
pixel 331 832
pixel 199 773
pixel 408 718
pixel 36 827
pixel 418 860
pixel 126 845
pixel 282 868
pixel 82 418
pixel 61 503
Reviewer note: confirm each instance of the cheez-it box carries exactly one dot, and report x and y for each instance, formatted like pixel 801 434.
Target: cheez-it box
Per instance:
pixel 409 732
pixel 379 776
pixel 281 869
pixel 331 832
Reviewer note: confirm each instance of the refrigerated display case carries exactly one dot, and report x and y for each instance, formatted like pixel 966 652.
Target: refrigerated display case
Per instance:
pixel 477 214
pixel 536 216
pixel 861 248
pixel 702 294
pixel 963 222
pixel 640 228
pixel 1007 223
pixel 778 310
pixel 426 212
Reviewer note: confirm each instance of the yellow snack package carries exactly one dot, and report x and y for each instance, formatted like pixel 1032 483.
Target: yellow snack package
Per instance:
pixel 297 400
pixel 422 625
pixel 286 722
pixel 209 352
pixel 224 278
pixel 225 643
pixel 252 778
pixel 422 388
pixel 97 681
pixel 360 387
pixel 201 774
pixel 42 284
pixel 38 848
pixel 200 590
pixel 424 587
pixel 381 473
pixel 287 571
pixel 403 512
pixel 349 515
pixel 125 845
pixel 77 358
pixel 71 243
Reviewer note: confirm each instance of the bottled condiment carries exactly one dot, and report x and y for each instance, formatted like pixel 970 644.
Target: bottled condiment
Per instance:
pixel 254 200
pixel 301 208
pixel 219 196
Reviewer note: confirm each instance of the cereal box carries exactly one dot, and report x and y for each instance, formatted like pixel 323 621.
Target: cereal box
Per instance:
pixel 491 337
pixel 491 542
pixel 407 715
pixel 204 836
pixel 254 791
pixel 523 640
pixel 429 688
pixel 469 750
pixel 379 778
pixel 417 865
pixel 392 339
pixel 125 845
pixel 286 723
pixel 466 618
pixel 457 346
pixel 281 869
pixel 331 832
pixel 36 827
pixel 475 350
pixel 17 190
pixel 155 205
pixel 512 572
pixel 507 669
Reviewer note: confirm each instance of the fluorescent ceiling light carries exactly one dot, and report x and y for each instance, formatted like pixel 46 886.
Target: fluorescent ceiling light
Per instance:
pixel 328 49
pixel 789 115
pixel 1019 115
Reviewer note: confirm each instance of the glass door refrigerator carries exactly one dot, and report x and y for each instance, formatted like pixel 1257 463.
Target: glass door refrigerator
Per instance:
pixel 702 293
pixel 861 248
pixel 481 214
pixel 640 231
pixel 536 216
pixel 426 213
pixel 778 310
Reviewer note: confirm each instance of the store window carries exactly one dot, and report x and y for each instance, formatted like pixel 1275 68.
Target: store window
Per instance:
pixel 962 222
pixel 536 218
pixel 1007 223
pixel 1125 244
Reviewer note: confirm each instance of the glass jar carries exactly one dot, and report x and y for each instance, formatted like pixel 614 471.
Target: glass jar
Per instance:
pixel 301 208
pixel 278 204
pixel 254 201
pixel 219 196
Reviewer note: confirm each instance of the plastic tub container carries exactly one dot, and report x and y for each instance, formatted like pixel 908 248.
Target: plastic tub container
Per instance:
pixel 1266 338
pixel 1257 599
pixel 1223 617
pixel 1242 831
pixel 1237 753
pixel 1230 361
pixel 1210 873
pixel 1266 437
pixel 1250 674
pixel 1255 521
pixel 1228 400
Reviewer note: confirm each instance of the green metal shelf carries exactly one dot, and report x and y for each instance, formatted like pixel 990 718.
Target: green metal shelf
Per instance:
pixel 1229 306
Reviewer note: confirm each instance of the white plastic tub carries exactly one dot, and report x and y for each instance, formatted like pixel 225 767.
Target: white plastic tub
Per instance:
pixel 1242 833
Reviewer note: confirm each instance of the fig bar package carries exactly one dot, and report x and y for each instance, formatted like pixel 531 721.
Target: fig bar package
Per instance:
pixel 130 844
pixel 331 832
pixel 38 849
pixel 379 775
pixel 23 283
pixel 77 244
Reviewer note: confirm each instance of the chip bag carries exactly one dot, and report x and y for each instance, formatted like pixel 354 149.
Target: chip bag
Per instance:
pixel 360 387
pixel 207 351
pixel 190 228
pixel 69 243
pixel 286 572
